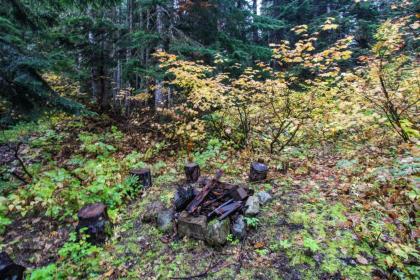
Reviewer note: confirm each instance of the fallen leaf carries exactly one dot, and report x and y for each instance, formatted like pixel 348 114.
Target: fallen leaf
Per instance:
pixel 109 273
pixel 362 260
pixel 259 245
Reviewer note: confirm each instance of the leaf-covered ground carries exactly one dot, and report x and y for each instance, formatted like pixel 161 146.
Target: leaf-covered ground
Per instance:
pixel 342 211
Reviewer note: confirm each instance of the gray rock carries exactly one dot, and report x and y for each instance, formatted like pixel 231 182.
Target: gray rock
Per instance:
pixel 192 226
pixel 252 206
pixel 239 227
pixel 164 220
pixel 152 211
pixel 264 197
pixel 217 232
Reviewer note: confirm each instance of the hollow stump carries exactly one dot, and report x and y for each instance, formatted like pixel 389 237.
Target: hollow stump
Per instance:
pixel 94 218
pixel 192 172
pixel 144 176
pixel 8 269
pixel 258 172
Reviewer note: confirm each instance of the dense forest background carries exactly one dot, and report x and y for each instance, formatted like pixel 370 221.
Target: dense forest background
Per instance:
pixel 322 94
pixel 107 46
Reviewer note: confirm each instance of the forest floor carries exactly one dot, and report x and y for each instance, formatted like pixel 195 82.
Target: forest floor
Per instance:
pixel 341 211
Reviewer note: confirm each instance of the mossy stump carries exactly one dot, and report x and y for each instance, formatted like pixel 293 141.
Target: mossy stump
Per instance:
pixel 8 269
pixel 94 218
pixel 144 176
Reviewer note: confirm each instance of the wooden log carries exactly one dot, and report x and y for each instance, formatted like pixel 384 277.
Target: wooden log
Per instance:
pixel 144 176
pixel 203 180
pixel 94 218
pixel 192 172
pixel 8 269
pixel 238 193
pixel 258 172
pixel 231 208
pixel 193 205
pixel 198 199
pixel 183 197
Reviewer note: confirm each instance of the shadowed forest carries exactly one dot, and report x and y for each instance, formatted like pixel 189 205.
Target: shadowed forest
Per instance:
pixel 209 139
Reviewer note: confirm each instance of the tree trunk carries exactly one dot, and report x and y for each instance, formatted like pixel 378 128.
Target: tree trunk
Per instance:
pixel 158 94
pixel 254 28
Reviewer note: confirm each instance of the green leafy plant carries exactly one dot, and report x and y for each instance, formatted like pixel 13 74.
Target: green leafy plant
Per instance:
pixel 262 252
pixel 252 222
pixel 4 221
pixel 48 272
pixel 281 244
pixel 232 239
pixel 212 151
pixel 311 244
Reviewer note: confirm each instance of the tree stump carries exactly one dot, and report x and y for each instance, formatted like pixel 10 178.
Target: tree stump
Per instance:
pixel 192 172
pixel 144 176
pixel 8 269
pixel 258 172
pixel 94 218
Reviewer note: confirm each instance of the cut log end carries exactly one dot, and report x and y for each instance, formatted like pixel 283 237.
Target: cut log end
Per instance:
pixel 192 172
pixel 94 218
pixel 8 269
pixel 144 176
pixel 92 211
pixel 258 172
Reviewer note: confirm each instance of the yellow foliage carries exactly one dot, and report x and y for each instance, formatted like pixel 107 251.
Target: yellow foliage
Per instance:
pixel 259 108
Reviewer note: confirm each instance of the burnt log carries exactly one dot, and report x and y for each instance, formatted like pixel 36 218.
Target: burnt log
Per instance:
pixel 94 222
pixel 198 199
pixel 183 197
pixel 144 176
pixel 225 209
pixel 203 180
pixel 238 193
pixel 258 172
pixel 8 269
pixel 192 172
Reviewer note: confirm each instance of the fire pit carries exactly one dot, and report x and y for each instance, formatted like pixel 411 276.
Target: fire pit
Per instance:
pixel 206 209
pixel 216 199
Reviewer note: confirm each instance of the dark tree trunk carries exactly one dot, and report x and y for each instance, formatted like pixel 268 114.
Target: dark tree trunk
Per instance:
pixel 255 29
pixel 144 176
pixel 192 172
pixel 94 218
pixel 258 172
pixel 8 269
